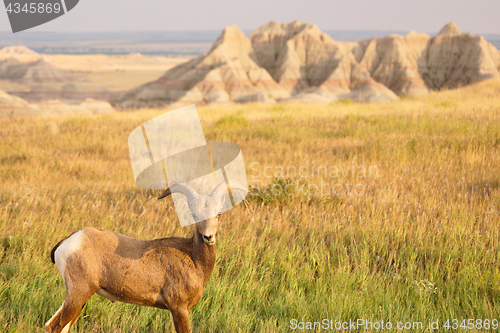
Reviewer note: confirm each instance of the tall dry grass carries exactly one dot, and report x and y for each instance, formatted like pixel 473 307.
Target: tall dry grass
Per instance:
pixel 415 239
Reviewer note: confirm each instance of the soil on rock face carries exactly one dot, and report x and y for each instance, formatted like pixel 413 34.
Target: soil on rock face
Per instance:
pixel 453 59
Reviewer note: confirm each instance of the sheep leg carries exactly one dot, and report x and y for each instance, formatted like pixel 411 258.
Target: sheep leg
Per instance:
pixel 181 320
pixel 68 326
pixel 50 323
pixel 67 314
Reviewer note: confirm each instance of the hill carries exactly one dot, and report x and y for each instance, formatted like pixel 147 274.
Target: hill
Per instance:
pixel 13 106
pixel 298 62
pixel 37 71
pixel 16 50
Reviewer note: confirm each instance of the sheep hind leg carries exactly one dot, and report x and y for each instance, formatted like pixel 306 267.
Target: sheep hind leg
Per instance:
pixel 181 320
pixel 66 315
pixel 50 324
pixel 68 326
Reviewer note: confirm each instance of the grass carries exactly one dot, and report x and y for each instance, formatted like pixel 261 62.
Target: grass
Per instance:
pixel 415 239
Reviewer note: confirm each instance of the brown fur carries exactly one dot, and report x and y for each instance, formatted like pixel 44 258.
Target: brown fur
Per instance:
pixel 168 273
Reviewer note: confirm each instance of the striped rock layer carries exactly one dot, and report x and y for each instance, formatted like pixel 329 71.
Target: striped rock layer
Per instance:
pixel 297 62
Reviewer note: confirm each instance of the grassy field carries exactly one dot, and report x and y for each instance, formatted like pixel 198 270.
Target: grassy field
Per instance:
pixel 411 235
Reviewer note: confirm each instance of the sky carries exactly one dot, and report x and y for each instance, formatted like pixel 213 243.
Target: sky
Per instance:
pixel 476 16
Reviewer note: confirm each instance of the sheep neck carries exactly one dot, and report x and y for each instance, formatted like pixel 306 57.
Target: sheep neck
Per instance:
pixel 203 256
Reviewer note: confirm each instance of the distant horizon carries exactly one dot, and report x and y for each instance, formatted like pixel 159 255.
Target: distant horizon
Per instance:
pixel 245 30
pixel 187 43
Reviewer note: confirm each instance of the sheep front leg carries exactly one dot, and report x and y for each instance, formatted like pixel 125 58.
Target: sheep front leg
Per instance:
pixel 181 320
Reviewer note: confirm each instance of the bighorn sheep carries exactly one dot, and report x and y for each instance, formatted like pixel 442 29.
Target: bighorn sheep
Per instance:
pixel 168 273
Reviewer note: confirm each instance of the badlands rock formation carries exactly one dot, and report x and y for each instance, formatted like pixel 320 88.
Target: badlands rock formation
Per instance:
pixel 228 72
pixel 453 59
pixel 38 71
pixel 297 62
pixel 10 103
pixel 12 106
pixel 392 61
pixel 18 49
pixel 312 66
pixel 69 93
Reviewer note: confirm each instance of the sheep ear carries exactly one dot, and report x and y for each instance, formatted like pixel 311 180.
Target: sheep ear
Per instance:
pixel 222 200
pixel 166 193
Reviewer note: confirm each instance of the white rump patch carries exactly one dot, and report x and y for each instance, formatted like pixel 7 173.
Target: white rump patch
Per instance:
pixel 67 248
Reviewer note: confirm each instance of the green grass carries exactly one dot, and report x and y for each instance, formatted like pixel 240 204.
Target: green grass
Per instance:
pixel 421 242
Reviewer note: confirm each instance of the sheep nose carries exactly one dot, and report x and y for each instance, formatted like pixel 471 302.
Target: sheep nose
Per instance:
pixel 210 240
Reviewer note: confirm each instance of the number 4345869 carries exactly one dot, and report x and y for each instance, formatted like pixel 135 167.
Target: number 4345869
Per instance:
pixel 34 7
pixel 471 324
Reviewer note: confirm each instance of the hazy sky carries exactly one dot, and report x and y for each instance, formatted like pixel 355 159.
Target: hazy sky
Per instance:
pixel 476 16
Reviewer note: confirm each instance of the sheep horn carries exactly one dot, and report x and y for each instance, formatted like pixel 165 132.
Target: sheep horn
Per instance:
pixel 233 184
pixel 183 189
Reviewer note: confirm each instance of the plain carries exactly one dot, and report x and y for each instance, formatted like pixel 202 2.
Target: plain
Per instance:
pixel 421 243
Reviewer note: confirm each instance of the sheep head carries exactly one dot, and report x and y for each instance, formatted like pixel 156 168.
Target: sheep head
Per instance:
pixel 205 209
